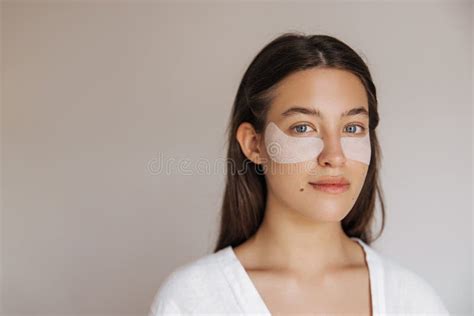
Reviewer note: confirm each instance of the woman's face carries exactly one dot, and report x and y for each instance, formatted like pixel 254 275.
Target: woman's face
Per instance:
pixel 315 146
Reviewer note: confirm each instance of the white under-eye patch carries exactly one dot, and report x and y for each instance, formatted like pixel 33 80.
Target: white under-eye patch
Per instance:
pixel 283 148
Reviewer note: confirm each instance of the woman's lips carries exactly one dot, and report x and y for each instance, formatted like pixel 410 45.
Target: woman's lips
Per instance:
pixel 331 180
pixel 330 188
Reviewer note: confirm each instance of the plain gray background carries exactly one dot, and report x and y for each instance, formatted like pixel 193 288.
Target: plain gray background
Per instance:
pixel 95 92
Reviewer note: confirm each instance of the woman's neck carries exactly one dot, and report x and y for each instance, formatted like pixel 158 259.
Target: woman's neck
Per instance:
pixel 286 241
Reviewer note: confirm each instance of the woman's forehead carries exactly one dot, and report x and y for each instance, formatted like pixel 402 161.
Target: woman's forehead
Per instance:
pixel 330 92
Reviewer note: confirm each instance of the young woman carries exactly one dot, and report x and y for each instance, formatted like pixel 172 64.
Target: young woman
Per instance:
pixel 300 196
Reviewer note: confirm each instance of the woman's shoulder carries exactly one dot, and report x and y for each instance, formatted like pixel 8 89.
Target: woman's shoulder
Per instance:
pixel 190 285
pixel 405 291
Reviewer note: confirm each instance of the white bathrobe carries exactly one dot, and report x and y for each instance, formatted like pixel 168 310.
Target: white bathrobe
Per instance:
pixel 218 284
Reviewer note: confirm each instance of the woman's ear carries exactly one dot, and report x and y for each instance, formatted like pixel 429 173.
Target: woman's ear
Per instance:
pixel 250 142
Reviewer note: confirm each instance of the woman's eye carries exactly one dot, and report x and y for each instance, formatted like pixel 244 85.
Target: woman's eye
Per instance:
pixel 352 128
pixel 303 128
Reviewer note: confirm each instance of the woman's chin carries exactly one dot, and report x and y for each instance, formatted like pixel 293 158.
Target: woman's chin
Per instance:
pixel 328 214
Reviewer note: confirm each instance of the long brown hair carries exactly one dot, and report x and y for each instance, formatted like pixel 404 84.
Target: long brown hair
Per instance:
pixel 245 192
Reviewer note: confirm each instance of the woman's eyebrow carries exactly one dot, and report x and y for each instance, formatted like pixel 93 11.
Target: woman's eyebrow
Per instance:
pixel 315 112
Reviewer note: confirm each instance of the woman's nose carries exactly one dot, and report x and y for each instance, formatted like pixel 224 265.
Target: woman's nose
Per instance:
pixel 332 153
